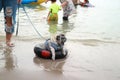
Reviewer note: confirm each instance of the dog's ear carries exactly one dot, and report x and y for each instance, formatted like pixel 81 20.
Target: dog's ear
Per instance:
pixel 64 39
pixel 58 37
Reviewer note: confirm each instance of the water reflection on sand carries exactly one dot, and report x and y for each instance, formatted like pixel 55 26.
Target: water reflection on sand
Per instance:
pixel 92 43
pixel 49 65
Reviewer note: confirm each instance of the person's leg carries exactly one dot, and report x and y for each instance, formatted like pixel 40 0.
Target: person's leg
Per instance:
pixel 65 14
pixel 75 2
pixel 0 5
pixel 10 7
pixel 65 18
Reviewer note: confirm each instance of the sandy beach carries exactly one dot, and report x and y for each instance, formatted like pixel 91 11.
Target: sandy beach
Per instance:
pixel 87 60
pixel 93 43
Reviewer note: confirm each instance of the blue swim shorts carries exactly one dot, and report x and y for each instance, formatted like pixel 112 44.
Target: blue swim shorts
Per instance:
pixel 9 7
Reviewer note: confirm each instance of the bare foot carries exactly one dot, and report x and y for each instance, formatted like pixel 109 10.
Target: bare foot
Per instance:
pixel 10 44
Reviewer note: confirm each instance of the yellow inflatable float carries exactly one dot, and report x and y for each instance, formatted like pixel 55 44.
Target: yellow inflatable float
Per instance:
pixel 38 2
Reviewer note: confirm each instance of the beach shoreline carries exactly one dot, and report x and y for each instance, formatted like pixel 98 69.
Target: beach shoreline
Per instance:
pixel 92 62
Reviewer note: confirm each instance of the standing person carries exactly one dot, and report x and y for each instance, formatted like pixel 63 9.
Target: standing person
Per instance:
pixel 86 3
pixel 53 11
pixel 68 8
pixel 9 7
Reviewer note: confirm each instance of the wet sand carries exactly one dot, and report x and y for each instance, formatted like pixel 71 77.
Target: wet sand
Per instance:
pixel 87 60
pixel 93 45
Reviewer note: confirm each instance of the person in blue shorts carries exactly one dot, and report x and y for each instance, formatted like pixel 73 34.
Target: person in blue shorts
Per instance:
pixel 9 8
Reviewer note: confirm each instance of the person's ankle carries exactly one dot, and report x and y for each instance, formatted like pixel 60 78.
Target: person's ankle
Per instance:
pixel 65 18
pixel 8 43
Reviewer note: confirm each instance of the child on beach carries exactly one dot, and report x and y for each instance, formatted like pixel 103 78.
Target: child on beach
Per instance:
pixel 85 3
pixel 53 11
pixel 68 8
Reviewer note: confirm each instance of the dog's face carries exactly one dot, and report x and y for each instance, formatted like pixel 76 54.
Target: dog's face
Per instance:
pixel 61 39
